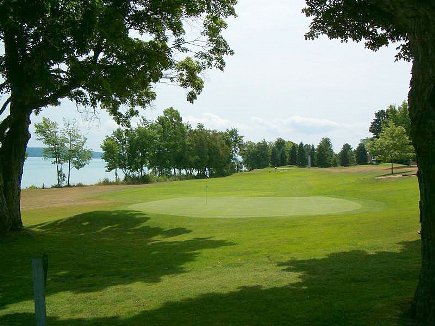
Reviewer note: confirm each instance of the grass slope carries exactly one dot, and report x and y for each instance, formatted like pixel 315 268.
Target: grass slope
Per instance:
pixel 112 265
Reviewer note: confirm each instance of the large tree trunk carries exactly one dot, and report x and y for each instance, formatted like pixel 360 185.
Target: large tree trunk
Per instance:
pixel 422 113
pixel 12 155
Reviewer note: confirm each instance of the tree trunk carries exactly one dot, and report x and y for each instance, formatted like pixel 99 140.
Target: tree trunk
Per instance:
pixel 12 156
pixel 422 113
pixel 58 172
pixel 69 171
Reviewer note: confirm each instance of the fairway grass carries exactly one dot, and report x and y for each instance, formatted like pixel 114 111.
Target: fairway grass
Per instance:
pixel 113 260
pixel 237 207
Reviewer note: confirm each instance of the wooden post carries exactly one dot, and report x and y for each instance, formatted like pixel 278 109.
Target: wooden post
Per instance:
pixel 38 274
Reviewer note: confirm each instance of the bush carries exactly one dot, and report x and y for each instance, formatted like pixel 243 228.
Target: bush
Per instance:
pixel 132 180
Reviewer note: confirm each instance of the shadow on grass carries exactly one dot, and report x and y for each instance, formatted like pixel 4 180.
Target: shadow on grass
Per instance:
pixel 346 288
pixel 96 250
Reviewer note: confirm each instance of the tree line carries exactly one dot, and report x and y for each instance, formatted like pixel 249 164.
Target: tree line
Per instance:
pixel 284 152
pixel 170 147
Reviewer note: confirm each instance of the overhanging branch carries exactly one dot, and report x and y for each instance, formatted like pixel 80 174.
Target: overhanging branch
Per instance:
pixel 5 105
pixel 62 92
pixel 4 126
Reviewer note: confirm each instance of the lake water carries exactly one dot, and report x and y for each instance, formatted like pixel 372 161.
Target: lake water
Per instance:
pixel 38 172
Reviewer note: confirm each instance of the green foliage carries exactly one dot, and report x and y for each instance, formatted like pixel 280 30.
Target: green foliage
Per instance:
pixel 399 115
pixel 279 153
pixel 377 23
pixel 235 140
pixel 48 132
pixel 361 154
pixel 346 157
pixel 393 144
pixel 256 155
pixel 313 156
pixel 98 54
pixel 302 155
pixel 294 155
pixel 378 122
pixel 75 155
pixel 325 153
pixel 167 147
pixel 171 141
pixel 64 146
pixel 109 54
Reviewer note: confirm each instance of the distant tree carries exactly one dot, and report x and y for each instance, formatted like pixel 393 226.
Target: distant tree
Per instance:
pixel 172 140
pixel 256 155
pixel 325 153
pixel 376 125
pixel 142 142
pixel 219 154
pixel 392 144
pixel 274 157
pixel 64 145
pixel 76 154
pixel 294 155
pixel 280 144
pixel 335 160
pixel 263 154
pixel 49 133
pixel 346 156
pixel 399 115
pixel 116 152
pixel 111 155
pixel 236 142
pixel 361 154
pixel 278 153
pixel 197 154
pixel 302 156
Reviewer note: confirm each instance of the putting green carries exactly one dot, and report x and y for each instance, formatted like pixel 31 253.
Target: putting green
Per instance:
pixel 234 207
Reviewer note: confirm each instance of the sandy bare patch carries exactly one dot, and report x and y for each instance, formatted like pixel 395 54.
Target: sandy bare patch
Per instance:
pixel 55 197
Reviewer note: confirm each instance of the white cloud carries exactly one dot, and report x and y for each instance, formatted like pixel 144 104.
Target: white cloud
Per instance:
pixel 214 121
pixel 296 128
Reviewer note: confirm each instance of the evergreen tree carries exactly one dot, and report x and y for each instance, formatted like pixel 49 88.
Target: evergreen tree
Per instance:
pixel 325 153
pixel 302 156
pixel 346 155
pixel 294 155
pixel 361 154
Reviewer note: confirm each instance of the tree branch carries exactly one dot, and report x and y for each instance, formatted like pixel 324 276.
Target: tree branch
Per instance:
pixel 55 96
pixel 4 125
pixel 5 105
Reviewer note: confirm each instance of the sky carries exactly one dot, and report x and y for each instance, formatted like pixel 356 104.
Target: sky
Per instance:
pixel 277 84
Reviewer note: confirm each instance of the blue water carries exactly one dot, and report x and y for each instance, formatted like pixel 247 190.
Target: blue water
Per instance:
pixel 39 172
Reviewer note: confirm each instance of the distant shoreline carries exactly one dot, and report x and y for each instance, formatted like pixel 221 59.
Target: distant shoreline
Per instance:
pixel 37 152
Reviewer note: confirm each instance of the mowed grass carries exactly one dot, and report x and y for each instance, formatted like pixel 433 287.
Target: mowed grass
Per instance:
pixel 115 261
